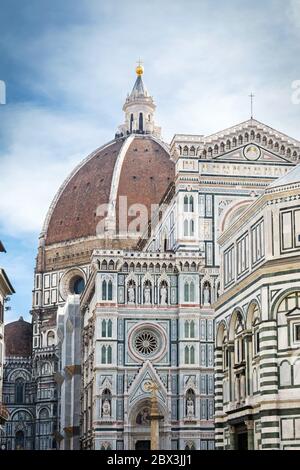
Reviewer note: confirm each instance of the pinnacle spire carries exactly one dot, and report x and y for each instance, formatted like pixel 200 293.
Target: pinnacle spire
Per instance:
pixel 139 109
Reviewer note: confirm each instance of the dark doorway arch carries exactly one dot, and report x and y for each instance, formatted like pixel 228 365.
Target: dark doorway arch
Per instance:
pixel 20 440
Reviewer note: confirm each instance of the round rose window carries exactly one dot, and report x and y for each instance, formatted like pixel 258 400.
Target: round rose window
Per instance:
pixel 146 343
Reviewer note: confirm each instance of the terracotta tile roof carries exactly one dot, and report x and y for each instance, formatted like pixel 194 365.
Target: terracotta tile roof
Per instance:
pixel 145 175
pixel 18 338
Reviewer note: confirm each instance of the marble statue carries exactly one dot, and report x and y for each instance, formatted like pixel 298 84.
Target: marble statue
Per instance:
pixel 206 295
pixel 190 408
pixel 163 295
pixel 106 408
pixel 131 294
pixel 147 295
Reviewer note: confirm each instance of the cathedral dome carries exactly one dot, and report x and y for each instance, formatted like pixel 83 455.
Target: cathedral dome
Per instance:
pixel 110 197
pixel 137 167
pixel 18 338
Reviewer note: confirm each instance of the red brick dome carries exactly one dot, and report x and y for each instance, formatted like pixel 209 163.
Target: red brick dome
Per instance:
pixel 18 338
pixel 138 167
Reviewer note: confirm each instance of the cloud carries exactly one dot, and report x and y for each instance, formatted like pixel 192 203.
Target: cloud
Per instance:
pixel 294 12
pixel 42 147
pixel 200 65
pixel 71 66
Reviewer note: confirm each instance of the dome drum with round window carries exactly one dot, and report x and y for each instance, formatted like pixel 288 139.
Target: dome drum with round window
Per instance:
pixel 77 285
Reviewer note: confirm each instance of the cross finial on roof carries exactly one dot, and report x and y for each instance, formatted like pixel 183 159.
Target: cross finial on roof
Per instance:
pixel 252 96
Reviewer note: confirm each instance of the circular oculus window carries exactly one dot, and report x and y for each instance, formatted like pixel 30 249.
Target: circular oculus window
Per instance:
pixel 147 342
pixel 252 152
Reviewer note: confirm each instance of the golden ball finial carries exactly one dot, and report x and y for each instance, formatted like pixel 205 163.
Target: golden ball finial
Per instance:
pixel 139 70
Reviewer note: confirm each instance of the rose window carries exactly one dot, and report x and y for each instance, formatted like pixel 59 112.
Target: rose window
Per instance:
pixel 146 343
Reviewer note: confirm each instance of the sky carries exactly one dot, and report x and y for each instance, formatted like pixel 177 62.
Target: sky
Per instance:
pixel 69 65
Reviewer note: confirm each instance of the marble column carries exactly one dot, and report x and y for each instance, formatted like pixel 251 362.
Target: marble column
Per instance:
pixel 250 434
pixel 155 418
pixel 232 438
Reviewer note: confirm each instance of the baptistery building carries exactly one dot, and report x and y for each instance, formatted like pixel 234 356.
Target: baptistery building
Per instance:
pixel 257 317
pixel 128 276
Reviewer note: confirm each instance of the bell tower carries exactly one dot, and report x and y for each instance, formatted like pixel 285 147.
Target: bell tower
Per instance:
pixel 139 109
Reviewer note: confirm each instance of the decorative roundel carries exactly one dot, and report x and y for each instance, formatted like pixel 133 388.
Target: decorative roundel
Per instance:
pixel 146 342
pixel 72 282
pixel 252 152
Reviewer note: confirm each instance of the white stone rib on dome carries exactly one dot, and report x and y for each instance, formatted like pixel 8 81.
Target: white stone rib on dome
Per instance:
pixel 64 184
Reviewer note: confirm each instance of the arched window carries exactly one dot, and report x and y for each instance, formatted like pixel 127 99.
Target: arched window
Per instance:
pixel 109 355
pixel 103 328
pixel 239 347
pixel 285 374
pixel 104 290
pixel 185 150
pixel 189 355
pixel 19 391
pixel 103 355
pixel 192 355
pixel 109 291
pixel 109 328
pixel 186 203
pixel 191 204
pixel 104 265
pixel 50 338
pixel 131 122
pixel 192 151
pixel 186 292
pixel 186 329
pixel 192 329
pixel 186 355
pixel 297 373
pixel 192 292
pixel 111 265
pixel 192 231
pixel 141 123
pixel 186 228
